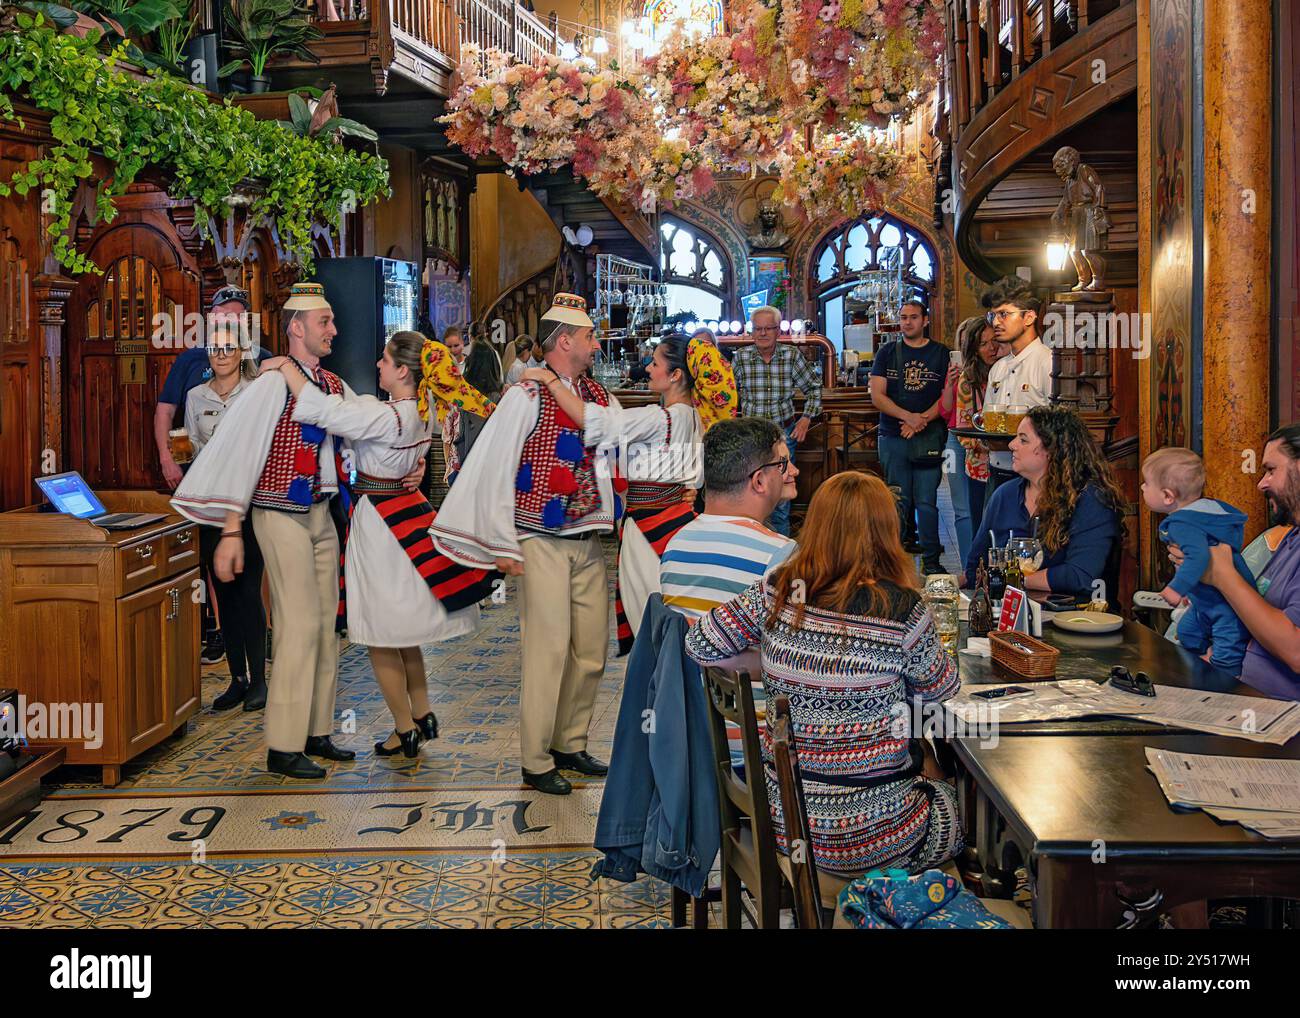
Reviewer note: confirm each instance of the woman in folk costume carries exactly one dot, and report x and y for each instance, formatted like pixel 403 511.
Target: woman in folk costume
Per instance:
pixel 660 449
pixel 400 592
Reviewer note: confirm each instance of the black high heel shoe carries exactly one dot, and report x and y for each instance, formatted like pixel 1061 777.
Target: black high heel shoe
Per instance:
pixel 408 745
pixel 428 725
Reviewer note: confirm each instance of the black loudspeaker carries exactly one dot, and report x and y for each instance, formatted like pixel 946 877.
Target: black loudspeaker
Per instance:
pixel 201 62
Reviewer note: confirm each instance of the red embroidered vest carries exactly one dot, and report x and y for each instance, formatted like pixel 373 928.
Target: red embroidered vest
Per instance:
pixel 556 483
pixel 290 481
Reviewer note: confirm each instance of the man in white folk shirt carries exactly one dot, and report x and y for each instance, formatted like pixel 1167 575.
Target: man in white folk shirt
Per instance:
pixel 531 501
pixel 262 461
pixel 1022 378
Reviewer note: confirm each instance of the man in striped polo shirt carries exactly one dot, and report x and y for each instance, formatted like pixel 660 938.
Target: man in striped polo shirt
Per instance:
pixel 747 471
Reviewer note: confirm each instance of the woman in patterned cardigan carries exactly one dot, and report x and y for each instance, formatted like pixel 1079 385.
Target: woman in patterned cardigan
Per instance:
pixel 844 634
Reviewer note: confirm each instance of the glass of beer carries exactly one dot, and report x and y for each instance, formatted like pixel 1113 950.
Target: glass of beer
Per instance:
pixel 1012 418
pixel 995 420
pixel 182 449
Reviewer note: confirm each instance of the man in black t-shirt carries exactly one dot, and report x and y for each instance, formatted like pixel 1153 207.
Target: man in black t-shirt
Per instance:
pixel 907 386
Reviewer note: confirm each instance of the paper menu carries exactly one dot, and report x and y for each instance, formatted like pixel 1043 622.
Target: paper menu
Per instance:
pixel 1193 779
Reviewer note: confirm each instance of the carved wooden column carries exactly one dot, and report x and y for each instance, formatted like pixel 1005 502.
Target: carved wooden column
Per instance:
pixel 52 294
pixel 1238 266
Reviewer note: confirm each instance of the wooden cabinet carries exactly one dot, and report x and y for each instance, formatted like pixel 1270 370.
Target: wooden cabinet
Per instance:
pixel 108 619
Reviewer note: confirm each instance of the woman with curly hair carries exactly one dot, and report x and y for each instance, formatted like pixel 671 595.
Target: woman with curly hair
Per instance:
pixel 1066 494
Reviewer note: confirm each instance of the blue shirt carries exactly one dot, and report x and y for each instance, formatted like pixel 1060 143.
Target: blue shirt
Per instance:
pixel 1094 528
pixel 1279 585
pixel 189 369
pixel 924 370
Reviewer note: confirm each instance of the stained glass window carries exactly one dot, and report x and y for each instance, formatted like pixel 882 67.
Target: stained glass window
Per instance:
pixel 702 17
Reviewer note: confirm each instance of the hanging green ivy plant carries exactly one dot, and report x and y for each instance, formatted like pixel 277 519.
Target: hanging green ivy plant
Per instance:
pixel 208 148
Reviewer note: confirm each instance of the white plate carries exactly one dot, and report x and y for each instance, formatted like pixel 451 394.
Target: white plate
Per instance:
pixel 1087 622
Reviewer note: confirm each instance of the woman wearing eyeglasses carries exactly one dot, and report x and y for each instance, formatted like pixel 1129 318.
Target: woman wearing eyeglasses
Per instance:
pixel 239 602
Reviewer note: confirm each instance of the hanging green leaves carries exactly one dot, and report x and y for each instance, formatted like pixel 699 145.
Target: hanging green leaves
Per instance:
pixel 207 147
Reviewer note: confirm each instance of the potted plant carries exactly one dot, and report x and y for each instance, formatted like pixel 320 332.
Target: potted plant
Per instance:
pixel 262 29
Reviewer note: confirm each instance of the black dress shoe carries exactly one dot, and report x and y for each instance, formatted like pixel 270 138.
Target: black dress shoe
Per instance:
pixel 292 765
pixel 408 745
pixel 582 762
pixel 233 696
pixel 428 725
pixel 255 698
pixel 320 745
pixel 552 782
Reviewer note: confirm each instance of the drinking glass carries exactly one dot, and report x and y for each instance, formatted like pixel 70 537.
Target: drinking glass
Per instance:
pixel 1013 416
pixel 995 421
pixel 1028 553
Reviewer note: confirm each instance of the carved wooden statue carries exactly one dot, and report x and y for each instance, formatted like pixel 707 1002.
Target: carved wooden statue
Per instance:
pixel 1081 217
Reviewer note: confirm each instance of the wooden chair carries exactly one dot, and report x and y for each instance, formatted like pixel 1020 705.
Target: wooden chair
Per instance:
pixel 799 866
pixel 816 895
pixel 749 856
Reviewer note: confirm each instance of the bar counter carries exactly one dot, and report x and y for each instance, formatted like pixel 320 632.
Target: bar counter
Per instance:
pixel 843 438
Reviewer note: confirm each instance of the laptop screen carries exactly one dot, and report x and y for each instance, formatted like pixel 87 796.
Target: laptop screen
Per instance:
pixel 70 494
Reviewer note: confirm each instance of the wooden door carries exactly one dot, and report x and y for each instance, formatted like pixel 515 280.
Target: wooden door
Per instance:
pixel 144 626
pixel 182 640
pixel 20 365
pixel 115 365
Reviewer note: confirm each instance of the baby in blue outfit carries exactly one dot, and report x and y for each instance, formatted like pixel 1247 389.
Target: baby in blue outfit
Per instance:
pixel 1173 484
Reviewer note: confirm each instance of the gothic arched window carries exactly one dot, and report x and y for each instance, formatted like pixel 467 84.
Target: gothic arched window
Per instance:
pixel 695 270
pixel 854 247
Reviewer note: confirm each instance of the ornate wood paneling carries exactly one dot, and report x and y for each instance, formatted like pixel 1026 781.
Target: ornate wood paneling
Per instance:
pixel 1069 84
pixel 114 366
pixel 20 413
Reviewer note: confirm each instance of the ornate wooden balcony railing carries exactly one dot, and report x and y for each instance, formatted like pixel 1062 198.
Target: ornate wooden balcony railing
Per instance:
pixel 420 40
pixel 1018 73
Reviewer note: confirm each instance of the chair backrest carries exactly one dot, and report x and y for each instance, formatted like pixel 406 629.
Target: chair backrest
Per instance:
pixel 731 696
pixel 794 810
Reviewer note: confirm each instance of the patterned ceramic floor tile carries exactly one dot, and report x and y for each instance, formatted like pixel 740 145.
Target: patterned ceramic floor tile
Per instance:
pixel 474 688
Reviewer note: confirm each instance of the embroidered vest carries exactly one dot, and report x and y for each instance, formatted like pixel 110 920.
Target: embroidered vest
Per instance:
pixel 290 481
pixel 556 482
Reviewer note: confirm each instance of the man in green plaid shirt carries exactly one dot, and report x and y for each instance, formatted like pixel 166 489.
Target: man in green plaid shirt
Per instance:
pixel 767 376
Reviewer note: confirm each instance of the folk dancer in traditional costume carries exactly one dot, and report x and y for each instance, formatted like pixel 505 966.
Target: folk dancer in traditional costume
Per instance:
pixel 399 592
pixel 531 500
pixel 659 448
pixel 263 461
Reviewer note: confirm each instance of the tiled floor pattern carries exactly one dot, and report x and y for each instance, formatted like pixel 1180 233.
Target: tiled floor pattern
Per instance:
pixel 414 890
pixel 474 688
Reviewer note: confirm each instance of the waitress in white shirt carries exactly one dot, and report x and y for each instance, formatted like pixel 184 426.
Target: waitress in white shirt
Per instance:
pixel 239 602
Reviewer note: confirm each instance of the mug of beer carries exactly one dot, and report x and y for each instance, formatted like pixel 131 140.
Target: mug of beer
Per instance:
pixel 995 420
pixel 1013 416
pixel 182 449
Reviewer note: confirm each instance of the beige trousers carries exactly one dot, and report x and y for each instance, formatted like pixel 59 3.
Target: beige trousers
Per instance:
pixel 564 633
pixel 302 566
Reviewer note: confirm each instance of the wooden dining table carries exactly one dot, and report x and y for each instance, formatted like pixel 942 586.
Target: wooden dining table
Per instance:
pixel 1073 802
pixel 1102 846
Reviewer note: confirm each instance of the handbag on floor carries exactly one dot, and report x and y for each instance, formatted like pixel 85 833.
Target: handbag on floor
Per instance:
pixel 932 900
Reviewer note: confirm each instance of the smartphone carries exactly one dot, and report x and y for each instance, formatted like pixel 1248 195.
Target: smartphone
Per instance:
pixel 954 357
pixel 1002 693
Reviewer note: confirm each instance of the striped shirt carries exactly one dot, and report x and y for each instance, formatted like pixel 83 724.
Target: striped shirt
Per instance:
pixel 714 558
